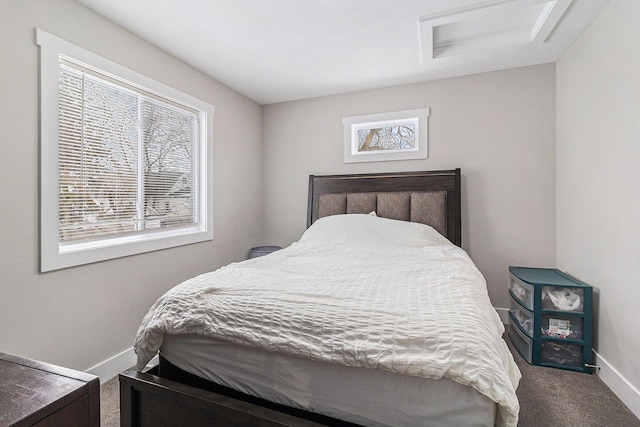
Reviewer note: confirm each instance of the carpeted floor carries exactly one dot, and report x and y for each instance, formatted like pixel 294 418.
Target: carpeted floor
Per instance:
pixel 548 397
pixel 558 398
pixel 110 403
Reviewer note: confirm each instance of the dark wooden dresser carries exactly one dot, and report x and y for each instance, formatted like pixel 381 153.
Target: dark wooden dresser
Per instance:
pixel 39 394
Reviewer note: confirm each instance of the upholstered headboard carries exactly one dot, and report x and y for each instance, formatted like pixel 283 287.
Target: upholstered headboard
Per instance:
pixel 431 198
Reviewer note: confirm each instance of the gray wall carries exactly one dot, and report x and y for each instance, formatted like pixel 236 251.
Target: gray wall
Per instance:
pixel 82 316
pixel 598 150
pixel 499 128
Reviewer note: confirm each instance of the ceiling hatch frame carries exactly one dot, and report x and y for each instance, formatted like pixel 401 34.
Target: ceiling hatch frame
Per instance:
pixel 490 26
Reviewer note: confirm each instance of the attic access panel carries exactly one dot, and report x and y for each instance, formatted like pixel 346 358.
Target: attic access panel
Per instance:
pixel 489 26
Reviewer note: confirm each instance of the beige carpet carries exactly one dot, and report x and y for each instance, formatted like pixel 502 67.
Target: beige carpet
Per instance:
pixel 559 398
pixel 110 403
pixel 548 398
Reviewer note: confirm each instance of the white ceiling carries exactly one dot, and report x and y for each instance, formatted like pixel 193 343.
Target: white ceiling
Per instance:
pixel 281 50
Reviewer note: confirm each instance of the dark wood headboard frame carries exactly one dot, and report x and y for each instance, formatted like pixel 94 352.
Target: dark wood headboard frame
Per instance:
pixel 444 180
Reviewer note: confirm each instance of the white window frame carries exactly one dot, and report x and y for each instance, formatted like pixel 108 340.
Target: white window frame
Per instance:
pixel 53 255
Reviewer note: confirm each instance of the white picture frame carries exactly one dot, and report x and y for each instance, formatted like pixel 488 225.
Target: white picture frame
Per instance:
pixel 398 135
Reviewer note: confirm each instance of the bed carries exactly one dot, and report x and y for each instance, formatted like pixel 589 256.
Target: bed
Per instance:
pixel 374 317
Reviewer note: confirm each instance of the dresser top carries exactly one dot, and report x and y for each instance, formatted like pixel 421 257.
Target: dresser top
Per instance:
pixel 28 387
pixel 546 276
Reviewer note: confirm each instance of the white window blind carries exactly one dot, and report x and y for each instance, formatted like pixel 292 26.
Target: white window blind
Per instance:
pixel 127 161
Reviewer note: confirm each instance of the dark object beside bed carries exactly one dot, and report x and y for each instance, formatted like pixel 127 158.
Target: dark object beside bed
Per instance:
pixel 166 395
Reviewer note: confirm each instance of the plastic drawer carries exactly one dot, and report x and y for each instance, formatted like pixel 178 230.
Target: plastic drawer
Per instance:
pixel 522 291
pixel 562 299
pixel 559 326
pixel 521 342
pixel 559 353
pixel 523 316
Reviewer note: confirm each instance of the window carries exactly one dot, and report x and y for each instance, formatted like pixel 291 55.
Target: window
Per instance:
pixel 124 160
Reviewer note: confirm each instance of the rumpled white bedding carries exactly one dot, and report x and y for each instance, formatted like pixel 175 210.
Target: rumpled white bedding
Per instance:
pixel 356 290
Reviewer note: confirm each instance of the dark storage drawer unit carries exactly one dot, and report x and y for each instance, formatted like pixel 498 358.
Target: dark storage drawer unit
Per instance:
pixel 38 394
pixel 550 318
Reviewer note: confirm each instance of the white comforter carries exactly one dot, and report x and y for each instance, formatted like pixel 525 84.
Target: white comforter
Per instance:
pixel 355 290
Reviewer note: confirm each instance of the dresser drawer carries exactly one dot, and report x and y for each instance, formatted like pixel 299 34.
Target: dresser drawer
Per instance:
pixel 523 316
pixel 562 299
pixel 520 341
pixel 522 291
pixel 559 326
pixel 559 353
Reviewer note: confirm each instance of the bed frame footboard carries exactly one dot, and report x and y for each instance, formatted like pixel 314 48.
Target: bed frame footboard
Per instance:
pixel 149 400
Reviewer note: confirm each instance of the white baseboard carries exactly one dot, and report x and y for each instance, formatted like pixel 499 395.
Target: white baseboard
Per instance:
pixel 114 365
pixel 622 388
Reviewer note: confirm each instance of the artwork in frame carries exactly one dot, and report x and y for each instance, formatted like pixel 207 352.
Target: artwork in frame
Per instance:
pixel 399 135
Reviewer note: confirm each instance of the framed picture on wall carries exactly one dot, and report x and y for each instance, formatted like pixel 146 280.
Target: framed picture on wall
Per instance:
pixel 398 135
